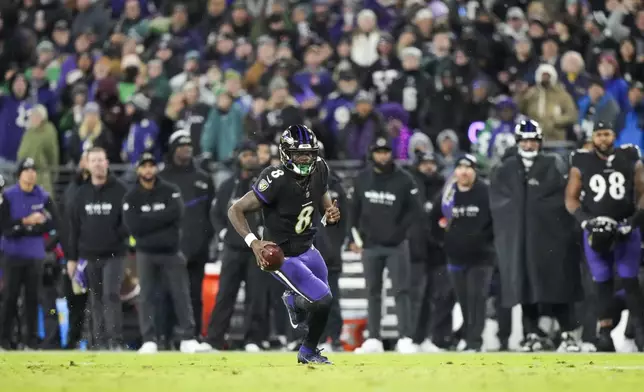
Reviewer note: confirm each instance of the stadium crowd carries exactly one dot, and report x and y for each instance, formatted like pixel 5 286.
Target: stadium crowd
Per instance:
pixel 198 92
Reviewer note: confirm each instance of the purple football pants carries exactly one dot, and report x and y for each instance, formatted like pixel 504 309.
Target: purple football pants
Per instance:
pixel 305 274
pixel 624 259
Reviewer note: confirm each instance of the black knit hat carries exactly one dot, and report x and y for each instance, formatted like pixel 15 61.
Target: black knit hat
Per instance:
pixel 179 138
pixel 467 160
pixel 25 164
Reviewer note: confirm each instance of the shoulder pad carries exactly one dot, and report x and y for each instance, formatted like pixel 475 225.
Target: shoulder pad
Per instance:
pixel 632 149
pixel 576 155
pixel 334 95
pixel 321 160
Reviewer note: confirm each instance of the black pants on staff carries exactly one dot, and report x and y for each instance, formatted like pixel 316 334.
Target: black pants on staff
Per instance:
pixel 396 260
pixel 51 339
pixel 19 273
pixel 239 265
pixel 334 323
pixel 196 275
pixel 472 285
pixel 432 304
pixel 503 315
pixel 105 278
pixel 153 270
pixel 77 305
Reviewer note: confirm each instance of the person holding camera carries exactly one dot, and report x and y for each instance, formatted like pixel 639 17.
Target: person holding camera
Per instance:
pixel 27 212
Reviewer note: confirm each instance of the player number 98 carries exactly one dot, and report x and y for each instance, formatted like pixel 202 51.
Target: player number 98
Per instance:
pixel 616 188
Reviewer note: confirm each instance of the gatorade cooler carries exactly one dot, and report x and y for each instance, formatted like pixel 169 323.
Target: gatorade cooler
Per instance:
pixel 209 291
pixel 353 333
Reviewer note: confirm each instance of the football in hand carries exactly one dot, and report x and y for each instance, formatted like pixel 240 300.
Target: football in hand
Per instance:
pixel 274 255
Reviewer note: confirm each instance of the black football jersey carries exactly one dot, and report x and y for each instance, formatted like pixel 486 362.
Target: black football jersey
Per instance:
pixel 290 205
pixel 608 185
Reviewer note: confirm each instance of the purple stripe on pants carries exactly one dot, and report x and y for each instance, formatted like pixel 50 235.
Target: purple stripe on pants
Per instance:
pixel 305 274
pixel 625 258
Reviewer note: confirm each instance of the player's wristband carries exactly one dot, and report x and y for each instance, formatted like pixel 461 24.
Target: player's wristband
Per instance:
pixel 581 216
pixel 249 239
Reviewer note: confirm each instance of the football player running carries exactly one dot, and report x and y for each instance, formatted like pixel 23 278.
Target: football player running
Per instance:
pixel 290 195
pixel 605 194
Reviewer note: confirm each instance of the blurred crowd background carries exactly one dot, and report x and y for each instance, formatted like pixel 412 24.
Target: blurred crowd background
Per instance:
pixel 440 77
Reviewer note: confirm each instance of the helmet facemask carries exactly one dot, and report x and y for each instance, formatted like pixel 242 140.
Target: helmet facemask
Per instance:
pixel 293 161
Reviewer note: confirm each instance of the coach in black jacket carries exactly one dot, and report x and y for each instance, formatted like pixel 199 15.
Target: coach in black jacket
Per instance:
pixel 238 262
pixel 97 234
pixel 432 297
pixel 197 192
pixel 469 245
pixel 385 203
pixel 153 210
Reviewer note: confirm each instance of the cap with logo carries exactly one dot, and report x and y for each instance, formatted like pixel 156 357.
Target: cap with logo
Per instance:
pixel 178 139
pixel 381 143
pixel 146 157
pixel 468 160
pixel 27 163
pixel 602 126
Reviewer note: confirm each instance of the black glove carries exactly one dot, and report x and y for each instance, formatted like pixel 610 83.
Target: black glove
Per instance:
pixel 602 233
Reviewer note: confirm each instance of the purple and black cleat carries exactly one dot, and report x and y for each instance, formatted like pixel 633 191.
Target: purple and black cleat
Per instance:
pixel 306 355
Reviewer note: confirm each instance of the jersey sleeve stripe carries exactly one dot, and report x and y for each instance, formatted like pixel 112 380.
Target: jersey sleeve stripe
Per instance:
pixel 259 194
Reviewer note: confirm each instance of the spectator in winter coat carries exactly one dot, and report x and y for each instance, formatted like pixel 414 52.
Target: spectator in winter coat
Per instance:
pixel 41 92
pixel 112 112
pixel 597 106
pixel 446 105
pixel 608 69
pixel 190 71
pixel 397 123
pixel 144 131
pixel 71 118
pixel 364 126
pixel 630 123
pixel 497 136
pixel 194 114
pixel 419 143
pixel 92 133
pixel 515 25
pixel 232 80
pixel 449 151
pixel 224 128
pixel 183 38
pixel 40 142
pixel 281 110
pixel 574 75
pixel 265 59
pixel 13 117
pixel 549 104
pixel 91 16
pixel 629 65
pixel 365 39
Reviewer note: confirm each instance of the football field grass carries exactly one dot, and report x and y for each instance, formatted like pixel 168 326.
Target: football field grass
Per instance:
pixel 94 372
